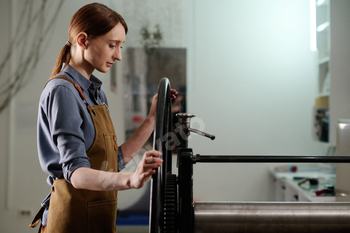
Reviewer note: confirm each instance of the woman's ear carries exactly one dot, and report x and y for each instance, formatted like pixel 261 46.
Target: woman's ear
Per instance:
pixel 82 40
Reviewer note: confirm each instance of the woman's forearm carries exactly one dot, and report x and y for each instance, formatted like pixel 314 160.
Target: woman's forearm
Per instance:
pixel 131 147
pixel 91 179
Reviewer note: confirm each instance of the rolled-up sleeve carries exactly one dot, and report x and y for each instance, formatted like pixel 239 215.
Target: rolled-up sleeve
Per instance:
pixel 64 112
pixel 121 163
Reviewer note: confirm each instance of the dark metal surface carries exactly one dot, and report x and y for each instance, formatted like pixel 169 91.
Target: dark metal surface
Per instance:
pixel 170 205
pixel 162 128
pixel 269 159
pixel 185 123
pixel 185 167
pixel 184 129
pixel 212 137
pixel 271 217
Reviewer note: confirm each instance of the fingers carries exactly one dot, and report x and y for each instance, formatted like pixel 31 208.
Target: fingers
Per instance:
pixel 173 93
pixel 152 160
pixel 151 153
pixel 155 97
pixel 148 174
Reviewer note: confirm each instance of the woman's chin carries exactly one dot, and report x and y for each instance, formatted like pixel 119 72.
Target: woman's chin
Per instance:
pixel 103 70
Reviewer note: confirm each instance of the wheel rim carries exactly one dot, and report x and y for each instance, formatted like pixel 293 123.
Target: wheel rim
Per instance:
pixel 161 134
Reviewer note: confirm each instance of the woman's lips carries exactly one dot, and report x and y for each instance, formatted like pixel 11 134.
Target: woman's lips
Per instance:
pixel 109 64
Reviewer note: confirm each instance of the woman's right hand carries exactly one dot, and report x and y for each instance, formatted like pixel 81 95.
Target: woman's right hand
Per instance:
pixel 91 179
pixel 146 168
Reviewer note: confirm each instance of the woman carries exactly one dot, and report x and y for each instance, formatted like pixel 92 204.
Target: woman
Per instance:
pixel 76 140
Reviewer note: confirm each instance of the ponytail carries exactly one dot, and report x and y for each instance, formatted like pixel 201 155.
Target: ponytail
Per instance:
pixel 63 58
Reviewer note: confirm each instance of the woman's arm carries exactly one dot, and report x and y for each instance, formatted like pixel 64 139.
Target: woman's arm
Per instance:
pixel 131 147
pixel 91 179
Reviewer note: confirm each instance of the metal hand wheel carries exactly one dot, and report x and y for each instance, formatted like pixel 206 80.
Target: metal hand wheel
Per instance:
pixel 163 182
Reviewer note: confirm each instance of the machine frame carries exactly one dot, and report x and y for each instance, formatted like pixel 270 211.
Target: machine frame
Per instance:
pixel 171 203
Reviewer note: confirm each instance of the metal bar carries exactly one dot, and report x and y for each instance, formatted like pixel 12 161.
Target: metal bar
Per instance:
pixel 185 167
pixel 269 159
pixel 261 217
pixel 155 203
pixel 182 129
pixel 212 137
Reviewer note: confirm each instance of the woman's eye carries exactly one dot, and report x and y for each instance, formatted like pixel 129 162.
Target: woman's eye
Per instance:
pixel 112 46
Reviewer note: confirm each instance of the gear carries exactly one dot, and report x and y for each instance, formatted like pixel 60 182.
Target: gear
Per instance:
pixel 170 204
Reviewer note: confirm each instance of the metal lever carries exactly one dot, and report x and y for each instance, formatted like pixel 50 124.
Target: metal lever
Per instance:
pixel 212 137
pixel 185 122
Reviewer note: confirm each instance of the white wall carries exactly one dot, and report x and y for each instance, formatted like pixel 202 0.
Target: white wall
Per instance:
pixel 340 82
pixel 252 82
pixel 339 64
pixel 5 26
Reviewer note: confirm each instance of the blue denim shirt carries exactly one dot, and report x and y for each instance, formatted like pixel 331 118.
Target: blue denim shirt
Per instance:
pixel 65 128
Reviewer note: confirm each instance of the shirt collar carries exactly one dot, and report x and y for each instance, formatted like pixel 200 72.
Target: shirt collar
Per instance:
pixel 83 82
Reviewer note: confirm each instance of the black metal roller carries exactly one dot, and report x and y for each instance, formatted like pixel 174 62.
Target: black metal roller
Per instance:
pixel 162 143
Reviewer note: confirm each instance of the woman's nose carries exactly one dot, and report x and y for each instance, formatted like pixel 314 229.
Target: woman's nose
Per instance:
pixel 118 55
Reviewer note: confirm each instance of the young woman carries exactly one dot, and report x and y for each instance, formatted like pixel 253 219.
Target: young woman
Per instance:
pixel 77 144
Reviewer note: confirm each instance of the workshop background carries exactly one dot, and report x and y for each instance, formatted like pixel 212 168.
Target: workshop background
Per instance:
pixel 250 77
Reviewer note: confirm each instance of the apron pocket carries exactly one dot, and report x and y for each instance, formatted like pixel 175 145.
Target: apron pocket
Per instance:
pixel 102 216
pixel 111 148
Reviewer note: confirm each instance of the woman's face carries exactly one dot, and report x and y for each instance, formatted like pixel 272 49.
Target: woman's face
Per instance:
pixel 102 51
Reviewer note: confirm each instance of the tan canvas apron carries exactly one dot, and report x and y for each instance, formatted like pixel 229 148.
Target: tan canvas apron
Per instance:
pixel 77 210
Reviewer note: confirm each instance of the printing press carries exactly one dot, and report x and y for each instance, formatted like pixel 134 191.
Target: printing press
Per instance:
pixel 172 208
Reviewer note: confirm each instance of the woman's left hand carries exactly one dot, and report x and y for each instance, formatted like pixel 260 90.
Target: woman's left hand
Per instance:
pixel 152 112
pixel 173 93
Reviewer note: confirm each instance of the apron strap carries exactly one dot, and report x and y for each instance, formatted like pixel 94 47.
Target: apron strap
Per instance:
pixel 75 85
pixel 37 218
pixel 80 92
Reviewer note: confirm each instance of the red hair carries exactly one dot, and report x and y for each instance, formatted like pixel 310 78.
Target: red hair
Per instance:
pixel 94 19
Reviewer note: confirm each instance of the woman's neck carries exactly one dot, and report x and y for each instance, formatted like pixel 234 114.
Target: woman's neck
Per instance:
pixel 81 69
pixel 81 65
